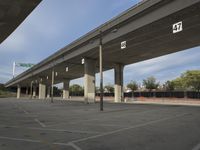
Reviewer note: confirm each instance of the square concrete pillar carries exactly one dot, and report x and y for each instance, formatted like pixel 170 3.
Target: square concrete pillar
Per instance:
pixel 34 91
pixel 27 90
pixel 42 91
pixel 66 89
pixel 18 92
pixel 119 94
pixel 48 91
pixel 89 80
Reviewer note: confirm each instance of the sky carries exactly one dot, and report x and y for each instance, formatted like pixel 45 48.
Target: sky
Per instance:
pixel 56 23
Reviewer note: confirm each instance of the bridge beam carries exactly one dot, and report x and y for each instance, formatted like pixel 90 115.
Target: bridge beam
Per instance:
pixel 119 94
pixel 89 80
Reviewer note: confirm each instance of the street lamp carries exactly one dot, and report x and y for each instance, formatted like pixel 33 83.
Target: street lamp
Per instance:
pixel 52 83
pixel 101 71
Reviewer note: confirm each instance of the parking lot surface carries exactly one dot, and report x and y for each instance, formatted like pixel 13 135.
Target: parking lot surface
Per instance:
pixel 66 125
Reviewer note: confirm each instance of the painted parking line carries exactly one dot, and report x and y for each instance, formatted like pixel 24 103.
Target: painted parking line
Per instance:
pixel 20 108
pixel 128 128
pixel 56 130
pixel 19 139
pixel 38 141
pixel 97 119
pixel 74 146
pixel 40 123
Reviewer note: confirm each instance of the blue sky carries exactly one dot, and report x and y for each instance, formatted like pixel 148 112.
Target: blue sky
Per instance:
pixel 54 24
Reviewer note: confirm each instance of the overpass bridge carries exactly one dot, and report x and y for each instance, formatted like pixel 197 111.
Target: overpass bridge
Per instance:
pixel 13 13
pixel 149 29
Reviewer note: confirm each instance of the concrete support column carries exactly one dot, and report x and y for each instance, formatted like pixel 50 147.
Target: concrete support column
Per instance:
pixel 27 89
pixel 119 94
pixel 31 90
pixel 42 91
pixel 18 91
pixel 66 89
pixel 34 91
pixel 89 80
pixel 48 91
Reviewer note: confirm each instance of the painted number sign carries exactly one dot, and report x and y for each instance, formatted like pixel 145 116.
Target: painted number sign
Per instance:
pixel 178 27
pixel 123 45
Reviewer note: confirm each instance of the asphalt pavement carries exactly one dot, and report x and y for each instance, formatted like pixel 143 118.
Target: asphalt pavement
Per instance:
pixel 66 125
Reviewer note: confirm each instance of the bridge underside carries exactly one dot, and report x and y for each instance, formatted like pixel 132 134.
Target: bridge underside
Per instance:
pixel 153 40
pixel 13 13
pixel 148 41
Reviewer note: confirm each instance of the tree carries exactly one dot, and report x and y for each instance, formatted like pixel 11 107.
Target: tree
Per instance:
pixel 2 87
pixel 133 86
pixel 76 89
pixel 169 86
pixel 150 83
pixel 56 91
pixel 178 83
pixel 192 79
pixel 109 88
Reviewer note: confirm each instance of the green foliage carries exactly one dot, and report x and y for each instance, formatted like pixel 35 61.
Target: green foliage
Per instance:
pixel 109 88
pixel 133 86
pixel 4 92
pixel 191 79
pixel 2 87
pixel 150 83
pixel 56 91
pixel 178 84
pixel 188 80
pixel 169 86
pixel 76 89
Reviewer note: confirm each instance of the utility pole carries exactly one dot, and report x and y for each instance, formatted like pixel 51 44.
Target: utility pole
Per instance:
pixel 14 69
pixel 52 83
pixel 101 71
pixel 31 90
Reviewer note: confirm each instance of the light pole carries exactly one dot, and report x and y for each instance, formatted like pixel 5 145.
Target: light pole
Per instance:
pixel 14 65
pixel 101 71
pixel 52 83
pixel 31 90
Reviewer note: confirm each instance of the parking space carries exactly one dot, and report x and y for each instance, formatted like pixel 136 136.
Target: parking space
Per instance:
pixel 65 125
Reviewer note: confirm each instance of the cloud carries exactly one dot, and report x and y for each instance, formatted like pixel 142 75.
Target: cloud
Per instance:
pixel 14 43
pixel 5 74
pixel 54 24
pixel 164 68
pixel 166 62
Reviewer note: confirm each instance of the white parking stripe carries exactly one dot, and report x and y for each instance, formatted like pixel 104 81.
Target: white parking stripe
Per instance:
pixel 40 123
pixel 128 128
pixel 18 139
pixel 72 143
pixel 37 141
pixel 69 144
pixel 56 130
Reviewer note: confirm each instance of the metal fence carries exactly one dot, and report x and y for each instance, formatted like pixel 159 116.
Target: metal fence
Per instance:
pixel 158 94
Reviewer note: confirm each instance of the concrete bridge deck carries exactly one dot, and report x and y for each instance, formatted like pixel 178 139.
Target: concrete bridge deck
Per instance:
pixel 147 29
